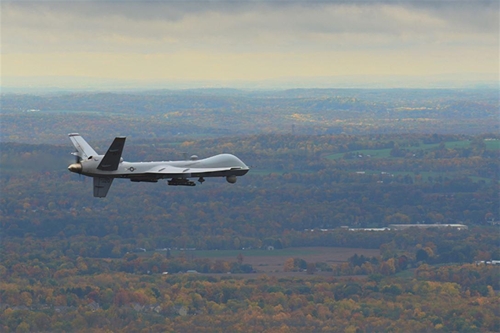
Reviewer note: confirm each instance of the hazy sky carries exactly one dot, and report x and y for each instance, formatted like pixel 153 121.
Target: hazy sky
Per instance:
pixel 247 40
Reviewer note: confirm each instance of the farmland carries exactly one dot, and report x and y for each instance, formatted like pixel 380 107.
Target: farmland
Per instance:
pixel 271 250
pixel 181 115
pixel 270 262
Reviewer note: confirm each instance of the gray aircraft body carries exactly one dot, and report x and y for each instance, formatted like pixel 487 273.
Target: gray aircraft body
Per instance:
pixel 104 168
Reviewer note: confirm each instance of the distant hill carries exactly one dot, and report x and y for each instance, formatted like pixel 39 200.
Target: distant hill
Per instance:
pixel 197 113
pixel 78 84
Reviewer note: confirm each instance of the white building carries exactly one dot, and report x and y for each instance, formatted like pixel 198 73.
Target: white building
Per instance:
pixel 426 226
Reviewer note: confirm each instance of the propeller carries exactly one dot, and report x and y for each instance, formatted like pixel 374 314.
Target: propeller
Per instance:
pixel 78 159
pixel 76 167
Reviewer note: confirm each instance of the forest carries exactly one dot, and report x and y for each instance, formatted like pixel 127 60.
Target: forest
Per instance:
pixel 72 262
pixel 194 114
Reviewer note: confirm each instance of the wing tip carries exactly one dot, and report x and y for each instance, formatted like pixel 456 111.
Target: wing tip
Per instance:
pixel 73 134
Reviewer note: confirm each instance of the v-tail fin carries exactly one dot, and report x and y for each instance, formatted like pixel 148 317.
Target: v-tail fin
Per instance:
pixel 101 186
pixel 112 158
pixel 83 149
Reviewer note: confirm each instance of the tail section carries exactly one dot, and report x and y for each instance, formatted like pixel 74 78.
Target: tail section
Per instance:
pixel 83 149
pixel 101 186
pixel 112 158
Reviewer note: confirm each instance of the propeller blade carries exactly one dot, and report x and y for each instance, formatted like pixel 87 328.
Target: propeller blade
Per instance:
pixel 78 159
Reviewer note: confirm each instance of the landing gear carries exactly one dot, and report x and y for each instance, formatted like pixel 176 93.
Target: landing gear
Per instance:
pixel 201 180
pixel 181 182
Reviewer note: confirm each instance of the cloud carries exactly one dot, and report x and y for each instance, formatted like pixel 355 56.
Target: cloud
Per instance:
pixel 151 27
pixel 236 40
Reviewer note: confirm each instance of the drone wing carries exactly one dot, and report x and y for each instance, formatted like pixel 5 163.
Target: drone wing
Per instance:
pixel 172 171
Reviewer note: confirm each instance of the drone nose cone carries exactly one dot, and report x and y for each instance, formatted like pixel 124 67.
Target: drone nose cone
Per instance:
pixel 75 167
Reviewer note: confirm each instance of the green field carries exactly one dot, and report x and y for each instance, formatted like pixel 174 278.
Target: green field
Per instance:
pixel 375 153
pixel 289 252
pixel 265 172
pixel 492 144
